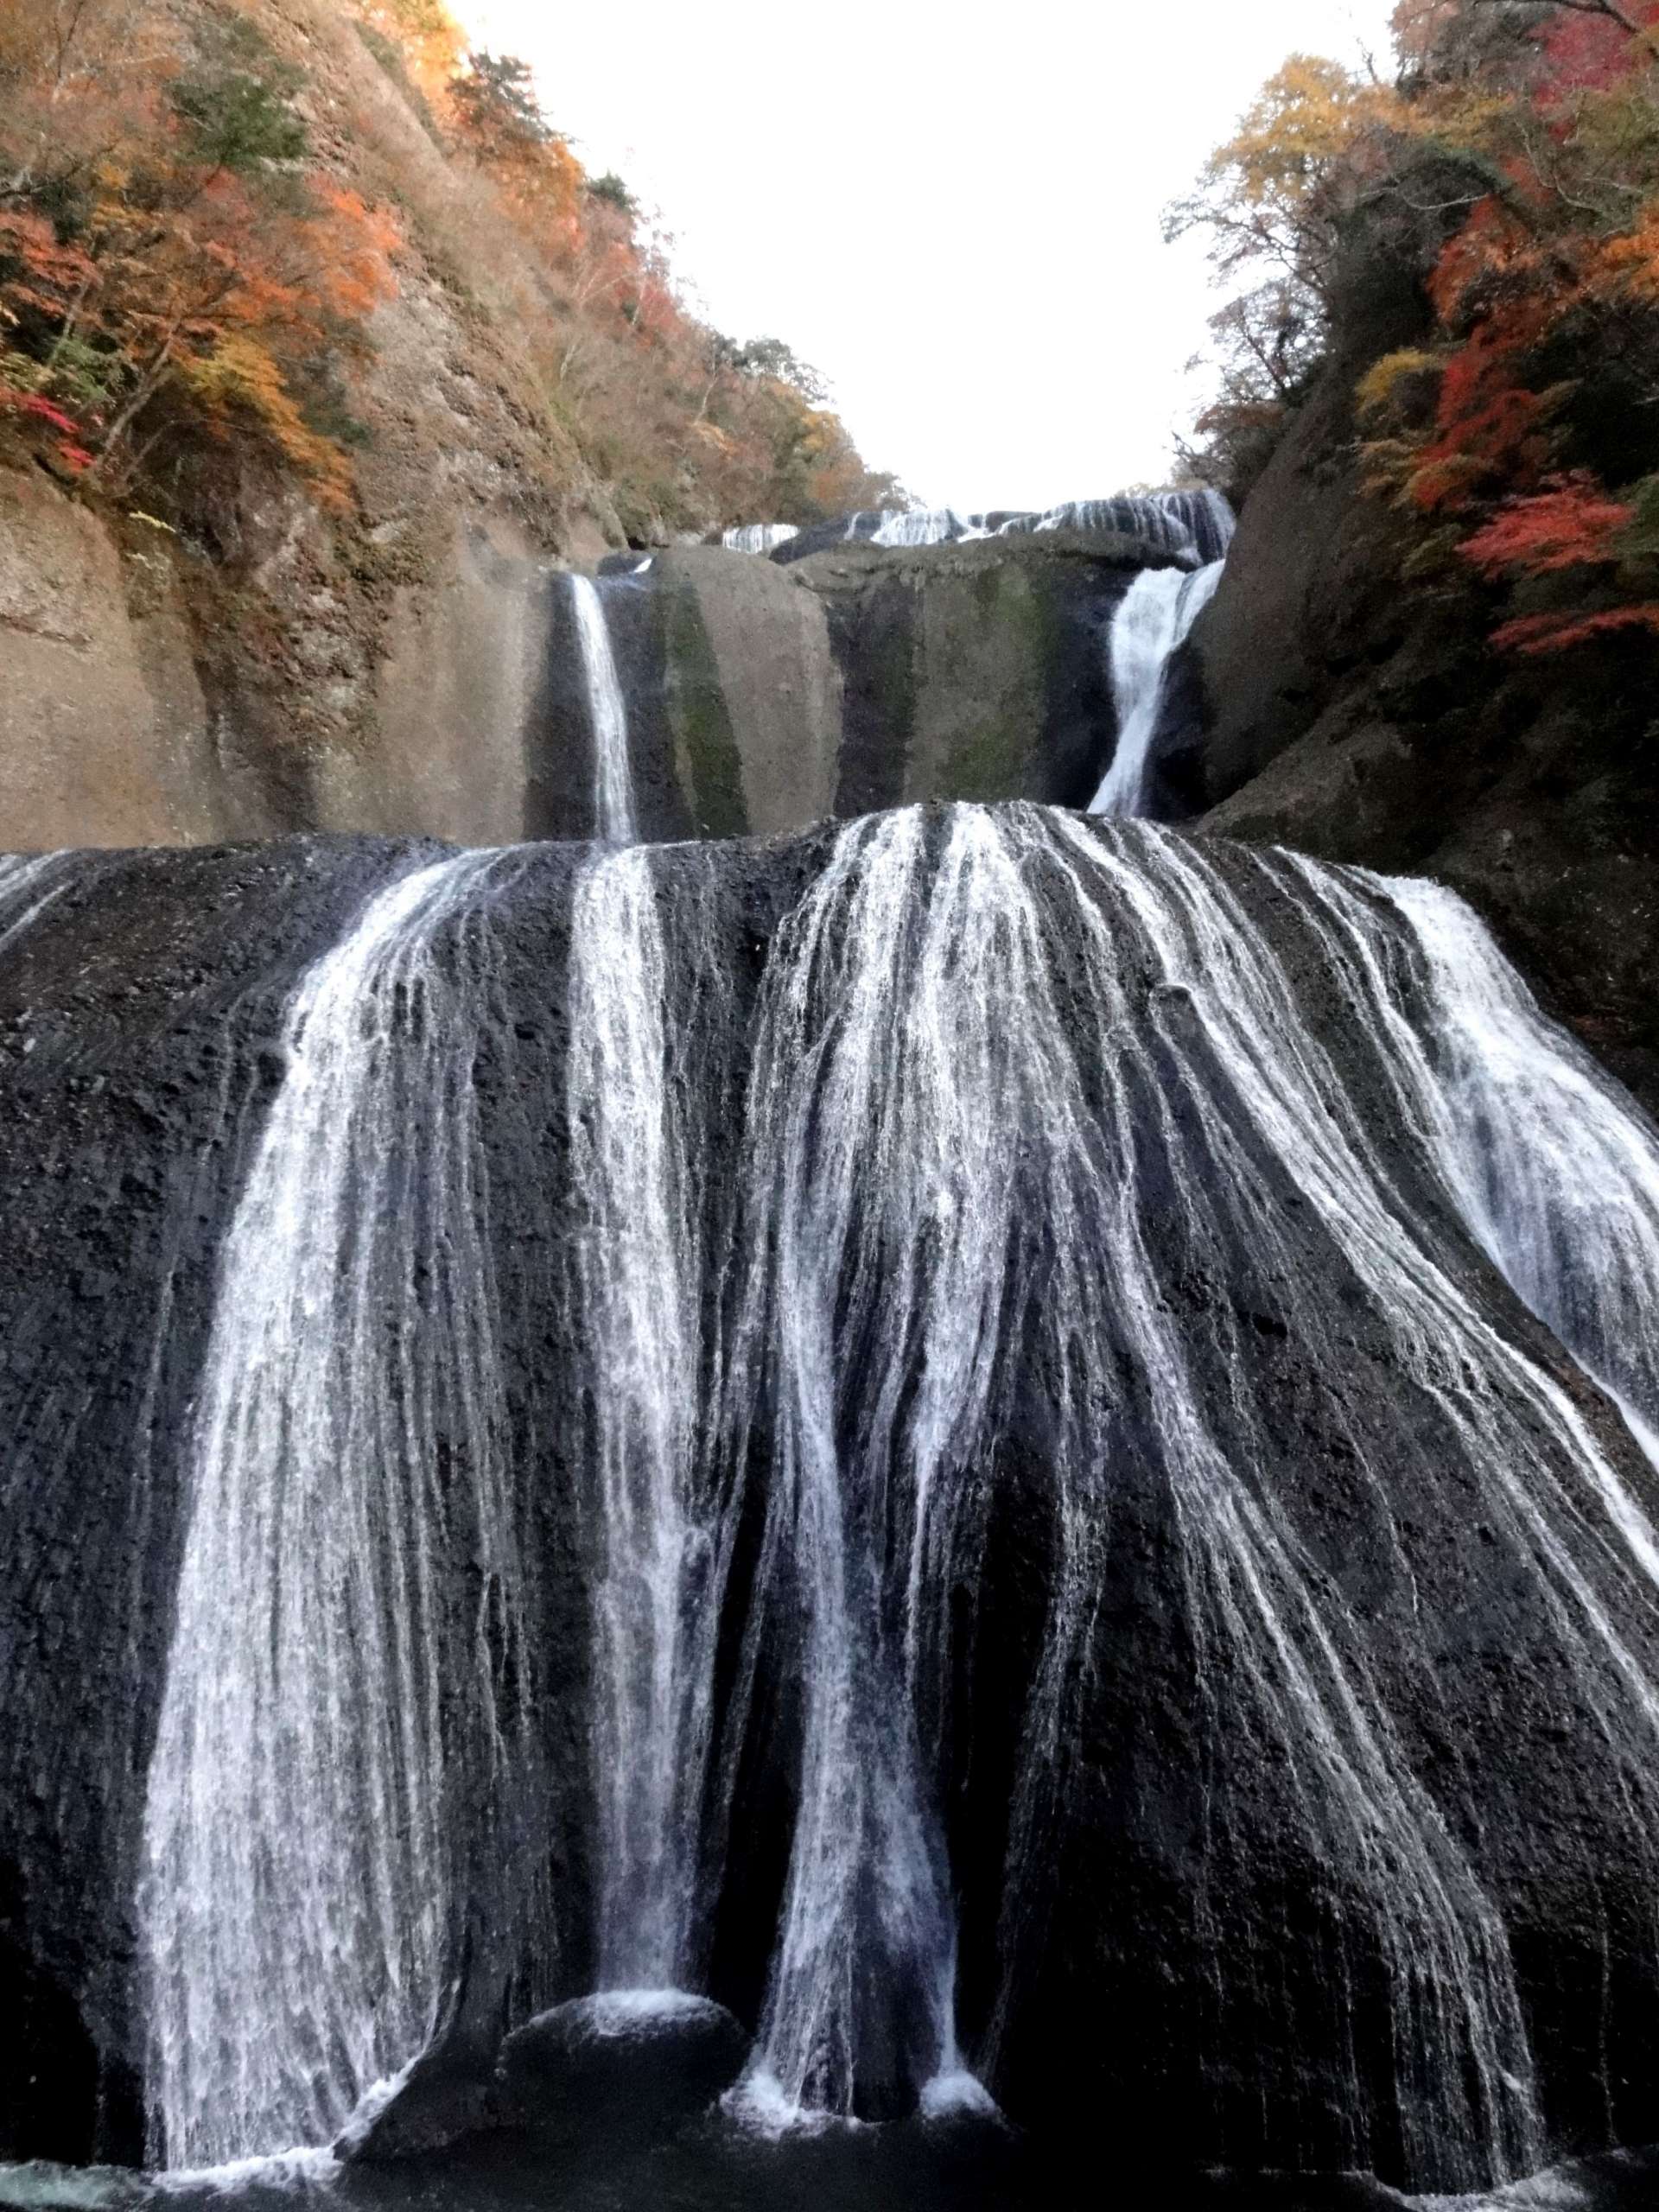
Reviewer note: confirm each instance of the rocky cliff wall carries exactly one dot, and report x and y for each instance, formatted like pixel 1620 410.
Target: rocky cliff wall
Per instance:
pixel 152 695
pixel 146 701
pixel 1357 714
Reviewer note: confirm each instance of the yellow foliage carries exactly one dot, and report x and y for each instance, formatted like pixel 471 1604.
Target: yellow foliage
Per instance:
pixel 1379 387
pixel 239 377
pixel 425 32
pixel 1630 264
pixel 1307 117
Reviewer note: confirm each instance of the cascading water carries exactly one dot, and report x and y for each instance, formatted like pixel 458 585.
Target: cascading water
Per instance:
pixel 613 808
pixel 1556 1179
pixel 761 538
pixel 1153 621
pixel 1049 1128
pixel 1197 524
pixel 936 526
pixel 332 1731
pixel 909 1043
pixel 638 1290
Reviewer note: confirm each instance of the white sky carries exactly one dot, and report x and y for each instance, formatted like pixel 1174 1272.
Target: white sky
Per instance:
pixel 953 212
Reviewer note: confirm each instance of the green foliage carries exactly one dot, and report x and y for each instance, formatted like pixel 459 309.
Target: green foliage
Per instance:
pixel 771 356
pixel 610 191
pixel 497 108
pixel 234 121
pixel 1639 544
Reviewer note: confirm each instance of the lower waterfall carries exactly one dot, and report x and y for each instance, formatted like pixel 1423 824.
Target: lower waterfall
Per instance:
pixel 334 1727
pixel 1067 1462
pixel 638 1271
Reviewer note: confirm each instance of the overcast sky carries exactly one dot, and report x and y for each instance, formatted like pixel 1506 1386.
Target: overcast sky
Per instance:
pixel 954 216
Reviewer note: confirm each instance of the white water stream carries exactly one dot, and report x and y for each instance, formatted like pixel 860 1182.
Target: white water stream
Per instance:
pixel 613 808
pixel 1016 1083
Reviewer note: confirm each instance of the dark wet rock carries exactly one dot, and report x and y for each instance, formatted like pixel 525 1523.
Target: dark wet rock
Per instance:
pixel 651 2059
pixel 977 670
pixel 151 997
pixel 444 2097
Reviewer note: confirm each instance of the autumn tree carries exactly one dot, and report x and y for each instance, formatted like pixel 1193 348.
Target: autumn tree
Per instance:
pixel 1510 179
pixel 184 280
pixel 171 268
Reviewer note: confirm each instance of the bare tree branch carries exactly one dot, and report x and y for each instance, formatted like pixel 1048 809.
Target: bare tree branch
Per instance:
pixel 1607 7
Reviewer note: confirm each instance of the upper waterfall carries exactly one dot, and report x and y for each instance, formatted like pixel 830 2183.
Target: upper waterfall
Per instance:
pixel 614 807
pixel 1155 617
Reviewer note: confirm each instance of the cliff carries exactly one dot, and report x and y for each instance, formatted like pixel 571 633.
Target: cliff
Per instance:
pixel 1366 720
pixel 272 574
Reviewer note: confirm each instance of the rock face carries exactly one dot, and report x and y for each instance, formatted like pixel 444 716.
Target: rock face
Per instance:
pixel 103 732
pixel 146 702
pixel 761 698
pixel 1136 1536
pixel 977 671
pixel 1362 719
pixel 654 2058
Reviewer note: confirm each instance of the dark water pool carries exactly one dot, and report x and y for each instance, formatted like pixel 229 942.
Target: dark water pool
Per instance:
pixel 706 2169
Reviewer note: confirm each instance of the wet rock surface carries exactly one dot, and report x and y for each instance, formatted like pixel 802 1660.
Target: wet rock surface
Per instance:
pixel 140 1041
pixel 650 2061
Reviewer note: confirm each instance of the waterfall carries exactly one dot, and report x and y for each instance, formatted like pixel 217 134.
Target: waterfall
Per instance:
pixel 639 1294
pixel 1197 524
pixel 862 1979
pixel 333 1728
pixel 614 810
pixel 934 526
pixel 1555 1176
pixel 760 537
pixel 928 1135
pixel 1164 1192
pixel 1154 619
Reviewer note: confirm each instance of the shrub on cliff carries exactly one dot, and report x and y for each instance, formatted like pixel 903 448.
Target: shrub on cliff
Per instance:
pixel 1507 185
pixel 687 427
pixel 172 277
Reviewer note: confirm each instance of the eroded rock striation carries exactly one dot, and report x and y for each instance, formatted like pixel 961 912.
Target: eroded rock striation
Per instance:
pixel 1014 1421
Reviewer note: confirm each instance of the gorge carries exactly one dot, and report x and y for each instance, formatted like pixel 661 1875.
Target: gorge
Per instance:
pixel 829 1331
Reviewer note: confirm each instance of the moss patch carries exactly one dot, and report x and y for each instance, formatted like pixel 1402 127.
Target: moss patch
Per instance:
pixel 707 762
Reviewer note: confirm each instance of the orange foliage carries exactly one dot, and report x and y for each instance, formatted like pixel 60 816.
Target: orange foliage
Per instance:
pixel 1493 256
pixel 181 270
pixel 1572 523
pixel 1489 424
pixel 1628 265
pixel 1554 633
pixel 155 219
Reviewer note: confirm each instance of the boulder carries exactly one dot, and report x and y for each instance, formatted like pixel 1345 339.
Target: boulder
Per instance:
pixel 650 2059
